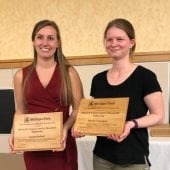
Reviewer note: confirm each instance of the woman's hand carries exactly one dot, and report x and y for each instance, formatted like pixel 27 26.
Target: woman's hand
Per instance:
pixel 76 134
pixel 11 143
pixel 119 138
pixel 63 141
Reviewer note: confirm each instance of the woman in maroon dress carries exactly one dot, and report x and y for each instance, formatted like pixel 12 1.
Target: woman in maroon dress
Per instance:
pixel 49 84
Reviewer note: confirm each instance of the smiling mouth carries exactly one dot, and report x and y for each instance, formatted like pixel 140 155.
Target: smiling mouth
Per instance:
pixel 114 50
pixel 45 49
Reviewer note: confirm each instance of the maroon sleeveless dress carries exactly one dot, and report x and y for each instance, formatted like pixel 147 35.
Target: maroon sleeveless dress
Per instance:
pixel 40 99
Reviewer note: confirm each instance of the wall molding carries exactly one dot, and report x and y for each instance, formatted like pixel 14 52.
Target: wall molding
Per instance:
pixel 161 56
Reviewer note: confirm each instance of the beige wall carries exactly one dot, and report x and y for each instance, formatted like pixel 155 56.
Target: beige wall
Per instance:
pixel 82 23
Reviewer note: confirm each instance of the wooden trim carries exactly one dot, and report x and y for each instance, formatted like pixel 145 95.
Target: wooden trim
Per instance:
pixel 94 59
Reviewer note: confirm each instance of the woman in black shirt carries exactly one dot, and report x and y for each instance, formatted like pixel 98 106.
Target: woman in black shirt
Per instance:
pixel 129 150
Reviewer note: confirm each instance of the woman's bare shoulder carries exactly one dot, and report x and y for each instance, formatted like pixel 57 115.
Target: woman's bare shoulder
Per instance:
pixel 18 74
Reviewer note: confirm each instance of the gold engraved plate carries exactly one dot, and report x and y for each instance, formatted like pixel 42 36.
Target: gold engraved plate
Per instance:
pixel 102 116
pixel 38 131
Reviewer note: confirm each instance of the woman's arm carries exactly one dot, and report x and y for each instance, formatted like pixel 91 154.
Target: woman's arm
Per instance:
pixel 155 104
pixel 19 100
pixel 18 91
pixel 77 91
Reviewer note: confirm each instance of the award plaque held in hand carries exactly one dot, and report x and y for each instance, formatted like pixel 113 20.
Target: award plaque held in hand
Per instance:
pixel 102 116
pixel 38 131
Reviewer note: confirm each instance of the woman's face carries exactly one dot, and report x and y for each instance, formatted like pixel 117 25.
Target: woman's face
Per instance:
pixel 46 42
pixel 117 43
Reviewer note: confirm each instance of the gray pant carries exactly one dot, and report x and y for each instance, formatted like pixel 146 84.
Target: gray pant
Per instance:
pixel 101 164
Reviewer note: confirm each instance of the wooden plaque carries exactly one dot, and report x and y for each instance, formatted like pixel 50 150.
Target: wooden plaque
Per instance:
pixel 38 131
pixel 162 130
pixel 101 117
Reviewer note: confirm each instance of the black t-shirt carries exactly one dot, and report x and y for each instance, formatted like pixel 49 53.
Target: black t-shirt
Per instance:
pixel 135 147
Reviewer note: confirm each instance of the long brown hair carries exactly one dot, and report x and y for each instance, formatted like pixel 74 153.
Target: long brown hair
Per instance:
pixel 61 60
